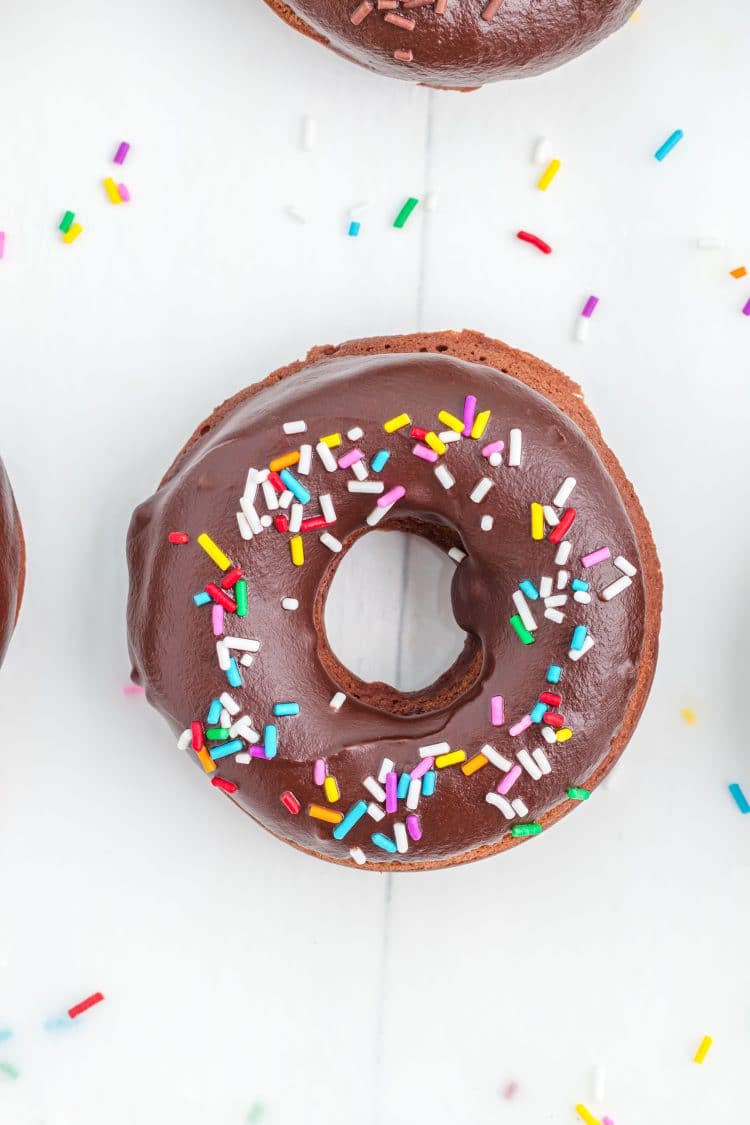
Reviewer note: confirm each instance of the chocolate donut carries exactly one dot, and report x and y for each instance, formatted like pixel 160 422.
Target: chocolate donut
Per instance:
pixel 457 44
pixel 489 453
pixel 12 562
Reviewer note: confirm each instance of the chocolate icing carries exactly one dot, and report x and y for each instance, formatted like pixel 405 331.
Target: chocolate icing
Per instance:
pixel 459 48
pixel 173 650
pixel 11 562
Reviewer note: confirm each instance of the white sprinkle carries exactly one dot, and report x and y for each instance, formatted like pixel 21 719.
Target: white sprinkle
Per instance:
pixel 223 654
pixel 324 452
pixel 449 436
pixel 457 554
pixel 563 577
pixel 564 492
pixel 519 807
pixel 616 588
pixel 251 485
pixel 358 856
pixel 372 787
pixel 305 460
pixel 338 701
pixel 375 811
pixel 541 151
pixel 185 741
pixel 541 760
pixel 434 749
pixel 244 526
pixel 412 797
pixel 480 490
pixel 289 603
pixel 545 587
pixel 550 516
pixel 295 213
pixel 549 734
pixel 243 759
pixel 355 434
pixel 261 475
pixel 487 523
pixel 285 498
pixel 365 486
pixel 576 654
pixel 377 514
pixel 359 468
pixel 431 201
pixel 246 660
pixel 500 803
pixel 581 333
pixel 385 769
pixel 529 764
pixel 625 566
pixel 252 516
pixel 298 427
pixel 266 521
pixel 514 453
pixel 497 759
pixel 229 703
pixel 326 507
pixel 581 596
pixel 524 612
pixel 555 600
pixel 563 552
pixel 295 517
pixel 554 615
pixel 331 542
pixel 399 834
pixel 245 644
pixel 710 242
pixel 359 208
pixel 309 133
pixel 599 1083
pixel 445 476
pixel 245 729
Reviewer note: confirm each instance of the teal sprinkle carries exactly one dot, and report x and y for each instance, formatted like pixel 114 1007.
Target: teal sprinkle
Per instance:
pixel 379 460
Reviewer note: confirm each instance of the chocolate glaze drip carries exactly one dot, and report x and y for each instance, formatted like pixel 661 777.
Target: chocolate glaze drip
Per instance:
pixel 11 562
pixel 173 649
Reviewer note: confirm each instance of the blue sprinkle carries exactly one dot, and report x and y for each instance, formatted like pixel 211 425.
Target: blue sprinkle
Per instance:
pixel 537 712
pixel 428 783
pixel 224 749
pixel 202 599
pixel 233 673
pixel 554 672
pixel 214 712
pixel 529 589
pixel 354 228
pixel 379 460
pixel 281 710
pixel 403 786
pixel 270 740
pixel 740 798
pixel 669 144
pixel 298 490
pixel 60 1023
pixel 579 636
pixel 579 584
pixel 384 842
pixel 5 1034
pixel 356 812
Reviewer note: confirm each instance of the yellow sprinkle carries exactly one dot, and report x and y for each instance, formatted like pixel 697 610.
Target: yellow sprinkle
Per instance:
pixel 297 549
pixel 434 442
pixel 587 1116
pixel 206 760
pixel 537 521
pixel 330 816
pixel 112 190
pixel 480 423
pixel 214 553
pixel 284 462
pixel 635 16
pixel 331 787
pixel 396 423
pixel 72 234
pixel 548 175
pixel 451 421
pixel 331 440
pixel 563 734
pixel 689 716
pixel 703 1050
pixel 451 759
pixel 474 764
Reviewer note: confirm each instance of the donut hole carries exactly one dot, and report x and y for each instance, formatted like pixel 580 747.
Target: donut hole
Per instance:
pixel 388 615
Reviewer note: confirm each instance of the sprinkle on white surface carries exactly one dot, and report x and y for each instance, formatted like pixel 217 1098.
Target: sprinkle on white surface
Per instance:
pixel 309 132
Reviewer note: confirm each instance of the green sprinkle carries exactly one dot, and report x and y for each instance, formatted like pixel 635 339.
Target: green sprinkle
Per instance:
pixel 217 734
pixel 240 591
pixel 405 212
pixel 67 221
pixel 8 1069
pixel 526 830
pixel 256 1112
pixel 521 630
pixel 579 794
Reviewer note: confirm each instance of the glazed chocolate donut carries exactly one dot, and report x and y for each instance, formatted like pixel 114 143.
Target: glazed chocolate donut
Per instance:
pixel 457 44
pixel 12 562
pixel 486 451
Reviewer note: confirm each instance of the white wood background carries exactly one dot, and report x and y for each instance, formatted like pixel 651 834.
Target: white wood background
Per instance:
pixel 235 969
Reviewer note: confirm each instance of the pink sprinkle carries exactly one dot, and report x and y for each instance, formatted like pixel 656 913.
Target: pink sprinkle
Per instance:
pixel 425 453
pixel 607 1121
pixel 413 827
pixel 217 620
pixel 122 152
pixel 124 193
pixel 470 409
pixel 590 305
pixel 319 772
pixel 391 497
pixel 509 780
pixel 2 243
pixel 596 557
pixel 746 309
pixel 391 798
pixel 421 769
pixel 497 711
pixel 522 725
pixel 510 1090
pixel 400 21
pixel 493 447
pixel 132 689
pixel 361 12
pixel 349 458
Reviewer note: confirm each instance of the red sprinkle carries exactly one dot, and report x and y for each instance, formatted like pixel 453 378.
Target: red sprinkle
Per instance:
pixel 289 801
pixel 418 433
pixel 225 786
pixel 553 719
pixel 550 697
pixel 231 578
pixel 277 482
pixel 535 241
pixel 178 537
pixel 197 729
pixel 563 527
pixel 221 597
pixel 89 1002
pixel 282 523
pixel 313 522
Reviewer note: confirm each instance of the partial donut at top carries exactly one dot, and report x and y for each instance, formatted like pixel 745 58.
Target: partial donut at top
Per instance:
pixel 12 562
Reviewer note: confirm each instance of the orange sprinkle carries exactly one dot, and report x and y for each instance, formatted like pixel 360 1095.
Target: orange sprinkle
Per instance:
pixel 474 764
pixel 284 462
pixel 739 272
pixel 206 760
pixel 330 816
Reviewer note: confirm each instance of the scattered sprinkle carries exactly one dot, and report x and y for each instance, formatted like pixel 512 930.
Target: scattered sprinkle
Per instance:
pixel 741 800
pixel 122 151
pixel 689 716
pixel 534 240
pixel 89 1002
pixel 411 202
pixel 549 174
pixel 672 140
pixel 703 1049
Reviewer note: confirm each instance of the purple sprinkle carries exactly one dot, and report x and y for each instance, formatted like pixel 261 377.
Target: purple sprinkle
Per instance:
pixel 391 797
pixel 413 827
pixel 257 751
pixel 2 245
pixel 590 305
pixel 122 152
pixel 746 310
pixel 470 407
